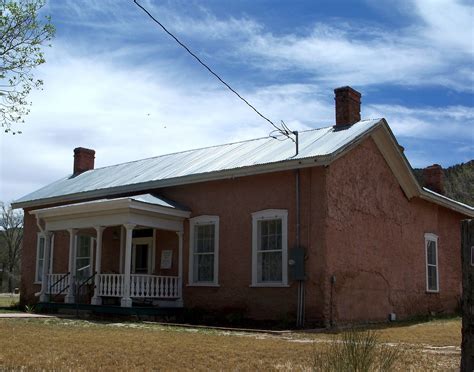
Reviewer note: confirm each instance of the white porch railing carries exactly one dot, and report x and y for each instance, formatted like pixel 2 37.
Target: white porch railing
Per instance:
pixel 57 283
pixel 141 286
pixel 111 285
pixel 151 286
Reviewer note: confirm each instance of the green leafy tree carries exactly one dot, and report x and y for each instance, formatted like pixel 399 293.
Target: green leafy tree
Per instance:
pixel 23 33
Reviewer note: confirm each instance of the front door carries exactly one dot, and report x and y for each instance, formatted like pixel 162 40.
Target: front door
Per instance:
pixel 142 256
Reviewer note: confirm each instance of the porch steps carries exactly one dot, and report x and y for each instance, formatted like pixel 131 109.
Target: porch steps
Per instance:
pixel 108 309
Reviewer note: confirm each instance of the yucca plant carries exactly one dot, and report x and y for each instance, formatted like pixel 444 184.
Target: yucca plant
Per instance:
pixel 356 351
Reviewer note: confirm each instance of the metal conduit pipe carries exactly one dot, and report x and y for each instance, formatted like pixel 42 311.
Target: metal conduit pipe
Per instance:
pixel 301 287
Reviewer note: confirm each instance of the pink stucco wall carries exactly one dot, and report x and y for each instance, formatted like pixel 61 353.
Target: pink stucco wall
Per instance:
pixel 376 240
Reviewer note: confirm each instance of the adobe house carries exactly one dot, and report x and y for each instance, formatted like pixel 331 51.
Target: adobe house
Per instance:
pixel 339 232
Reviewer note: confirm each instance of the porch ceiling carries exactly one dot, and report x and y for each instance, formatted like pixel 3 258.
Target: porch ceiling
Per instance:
pixel 143 210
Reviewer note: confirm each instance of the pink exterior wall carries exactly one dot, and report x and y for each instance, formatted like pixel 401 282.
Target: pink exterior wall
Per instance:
pixel 234 201
pixel 376 240
pixel 356 224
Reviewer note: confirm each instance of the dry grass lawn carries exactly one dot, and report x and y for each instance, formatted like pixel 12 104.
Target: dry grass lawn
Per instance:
pixel 62 344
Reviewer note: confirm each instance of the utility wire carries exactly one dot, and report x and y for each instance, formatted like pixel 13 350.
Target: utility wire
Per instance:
pixel 285 131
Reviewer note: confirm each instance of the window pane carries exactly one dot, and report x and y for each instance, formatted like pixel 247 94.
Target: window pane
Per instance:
pixel 83 246
pixel 203 270
pixel 39 273
pixel 432 278
pixel 269 235
pixel 83 269
pixel 269 267
pixel 431 252
pixel 141 258
pixel 41 248
pixel 204 238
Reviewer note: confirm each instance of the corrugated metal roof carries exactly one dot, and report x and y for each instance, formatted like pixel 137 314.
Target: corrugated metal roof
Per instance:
pixel 312 143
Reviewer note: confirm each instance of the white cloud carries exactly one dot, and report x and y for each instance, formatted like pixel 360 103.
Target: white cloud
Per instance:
pixel 128 113
pixel 448 24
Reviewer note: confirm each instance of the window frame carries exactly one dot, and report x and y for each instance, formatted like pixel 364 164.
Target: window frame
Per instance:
pixel 263 215
pixel 40 236
pixel 197 221
pixel 430 237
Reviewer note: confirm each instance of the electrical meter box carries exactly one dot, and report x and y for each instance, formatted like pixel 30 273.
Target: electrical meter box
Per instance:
pixel 296 258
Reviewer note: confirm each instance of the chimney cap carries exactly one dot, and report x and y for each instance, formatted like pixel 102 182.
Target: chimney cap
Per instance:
pixel 347 88
pixel 84 150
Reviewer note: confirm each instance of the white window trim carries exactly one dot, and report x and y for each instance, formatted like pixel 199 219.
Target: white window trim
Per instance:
pixel 270 214
pixel 151 253
pixel 434 238
pixel 203 220
pixel 51 255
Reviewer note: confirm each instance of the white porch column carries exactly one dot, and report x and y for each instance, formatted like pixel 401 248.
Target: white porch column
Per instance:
pixel 97 300
pixel 44 275
pixel 180 264
pixel 69 299
pixel 126 301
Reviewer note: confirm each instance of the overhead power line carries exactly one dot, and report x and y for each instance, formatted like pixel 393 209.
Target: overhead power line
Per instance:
pixel 282 130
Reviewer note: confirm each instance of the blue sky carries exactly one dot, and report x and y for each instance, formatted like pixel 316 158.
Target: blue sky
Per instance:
pixel 117 83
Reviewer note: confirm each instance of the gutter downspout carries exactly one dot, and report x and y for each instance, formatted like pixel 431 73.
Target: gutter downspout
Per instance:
pixel 301 287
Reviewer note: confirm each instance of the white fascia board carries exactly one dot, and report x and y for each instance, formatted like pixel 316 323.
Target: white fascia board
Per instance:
pixel 107 206
pixel 446 202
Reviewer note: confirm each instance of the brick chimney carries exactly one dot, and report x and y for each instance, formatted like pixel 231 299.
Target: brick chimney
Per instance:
pixel 83 160
pixel 347 106
pixel 433 178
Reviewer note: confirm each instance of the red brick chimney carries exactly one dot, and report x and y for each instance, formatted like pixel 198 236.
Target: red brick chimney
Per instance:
pixel 83 160
pixel 433 178
pixel 347 106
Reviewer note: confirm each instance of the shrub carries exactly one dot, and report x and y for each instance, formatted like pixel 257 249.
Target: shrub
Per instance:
pixel 356 351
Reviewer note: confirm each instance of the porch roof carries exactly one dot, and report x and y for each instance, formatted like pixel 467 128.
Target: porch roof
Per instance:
pixel 143 210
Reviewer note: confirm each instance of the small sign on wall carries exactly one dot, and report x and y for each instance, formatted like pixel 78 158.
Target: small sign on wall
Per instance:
pixel 166 259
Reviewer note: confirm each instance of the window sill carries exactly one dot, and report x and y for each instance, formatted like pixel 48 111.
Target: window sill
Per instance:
pixel 38 283
pixel 432 292
pixel 202 285
pixel 269 285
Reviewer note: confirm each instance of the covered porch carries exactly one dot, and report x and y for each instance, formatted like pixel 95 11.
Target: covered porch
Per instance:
pixel 120 265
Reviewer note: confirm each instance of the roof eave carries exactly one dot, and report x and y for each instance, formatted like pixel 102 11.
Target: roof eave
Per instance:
pixel 446 202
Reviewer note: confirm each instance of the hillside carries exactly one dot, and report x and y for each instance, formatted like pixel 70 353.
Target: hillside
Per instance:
pixel 458 181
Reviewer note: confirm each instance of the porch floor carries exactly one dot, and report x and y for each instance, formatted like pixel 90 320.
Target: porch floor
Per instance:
pixel 109 309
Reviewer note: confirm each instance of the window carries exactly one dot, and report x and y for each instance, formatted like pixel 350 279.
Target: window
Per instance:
pixel 41 241
pixel 83 257
pixel 432 278
pixel 204 250
pixel 270 248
